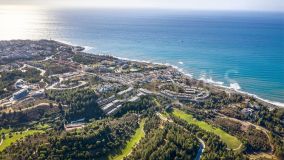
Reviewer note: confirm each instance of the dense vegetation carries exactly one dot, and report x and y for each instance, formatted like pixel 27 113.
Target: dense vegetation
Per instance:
pixel 271 120
pixel 96 141
pixel 83 59
pixel 16 119
pixel 87 59
pixel 274 122
pixel 135 139
pixel 81 103
pixel 143 104
pixel 104 138
pixel 220 99
pixel 10 138
pixel 215 148
pixel 170 142
pixel 231 141
pixel 253 139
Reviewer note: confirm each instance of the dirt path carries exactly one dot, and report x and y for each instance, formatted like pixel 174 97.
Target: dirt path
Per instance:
pixel 238 147
pixel 262 156
pixel 246 123
pixel 35 106
pixel 264 130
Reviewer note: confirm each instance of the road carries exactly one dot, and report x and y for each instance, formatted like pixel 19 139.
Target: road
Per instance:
pixel 201 149
pixel 82 83
pixel 35 106
pixel 42 72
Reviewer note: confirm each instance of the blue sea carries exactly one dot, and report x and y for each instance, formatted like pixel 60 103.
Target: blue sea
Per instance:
pixel 240 50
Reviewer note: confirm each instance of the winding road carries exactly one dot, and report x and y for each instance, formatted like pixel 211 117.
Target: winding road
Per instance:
pixel 246 123
pixel 82 83
pixel 201 149
pixel 35 106
pixel 260 155
pixel 42 72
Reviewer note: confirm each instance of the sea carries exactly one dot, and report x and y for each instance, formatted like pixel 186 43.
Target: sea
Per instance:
pixel 241 50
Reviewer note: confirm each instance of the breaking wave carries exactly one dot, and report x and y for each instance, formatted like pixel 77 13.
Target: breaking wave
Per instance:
pixel 210 80
pixel 86 48
pixel 235 86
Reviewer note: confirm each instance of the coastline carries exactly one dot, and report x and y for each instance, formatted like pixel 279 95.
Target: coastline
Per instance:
pixel 218 84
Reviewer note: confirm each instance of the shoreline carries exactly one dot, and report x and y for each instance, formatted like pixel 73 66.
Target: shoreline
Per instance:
pixel 219 85
pixel 270 103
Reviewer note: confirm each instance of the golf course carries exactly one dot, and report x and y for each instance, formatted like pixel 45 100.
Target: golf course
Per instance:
pixel 231 141
pixel 16 136
pixel 139 134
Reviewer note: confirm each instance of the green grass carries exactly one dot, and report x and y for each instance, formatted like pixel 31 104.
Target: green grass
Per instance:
pixel 42 126
pixel 5 130
pixel 231 141
pixel 16 136
pixel 139 134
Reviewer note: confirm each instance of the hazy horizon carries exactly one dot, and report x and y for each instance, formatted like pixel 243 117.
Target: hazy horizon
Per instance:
pixel 222 5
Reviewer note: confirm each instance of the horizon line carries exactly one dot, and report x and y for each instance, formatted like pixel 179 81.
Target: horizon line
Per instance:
pixel 139 8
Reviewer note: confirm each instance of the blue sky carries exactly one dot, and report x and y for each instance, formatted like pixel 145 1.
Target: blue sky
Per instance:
pixel 258 5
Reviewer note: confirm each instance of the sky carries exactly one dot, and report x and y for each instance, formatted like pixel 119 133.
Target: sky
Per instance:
pixel 250 5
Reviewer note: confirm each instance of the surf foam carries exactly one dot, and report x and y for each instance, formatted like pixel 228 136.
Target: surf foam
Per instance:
pixel 234 85
pixel 86 48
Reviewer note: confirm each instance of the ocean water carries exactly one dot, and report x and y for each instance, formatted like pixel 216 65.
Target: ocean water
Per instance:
pixel 241 50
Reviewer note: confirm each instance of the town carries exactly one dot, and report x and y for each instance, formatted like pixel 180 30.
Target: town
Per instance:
pixel 64 88
pixel 127 77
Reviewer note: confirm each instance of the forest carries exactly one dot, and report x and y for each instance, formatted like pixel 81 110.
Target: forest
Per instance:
pixel 169 142
pixel 81 103
pixel 98 140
